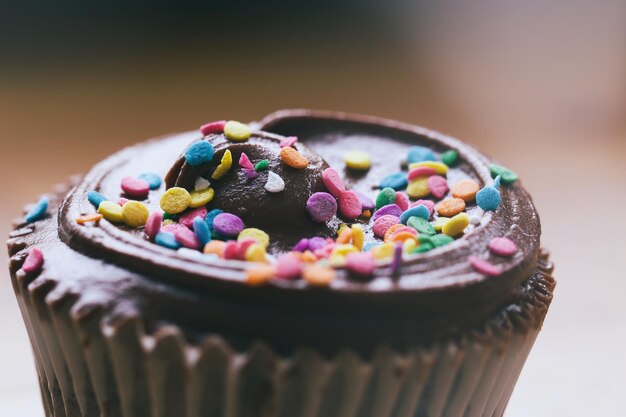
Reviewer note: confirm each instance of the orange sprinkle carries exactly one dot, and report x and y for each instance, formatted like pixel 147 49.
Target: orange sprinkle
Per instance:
pixel 450 207
pixel 308 257
pixel 94 217
pixel 345 236
pixel 259 275
pixel 293 158
pixel 390 231
pixel 465 190
pixel 402 236
pixel 318 275
pixel 215 247
pixel 367 214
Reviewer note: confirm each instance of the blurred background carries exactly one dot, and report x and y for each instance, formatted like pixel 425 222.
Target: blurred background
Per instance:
pixel 541 85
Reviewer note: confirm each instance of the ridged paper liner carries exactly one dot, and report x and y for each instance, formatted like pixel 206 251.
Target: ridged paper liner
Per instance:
pixel 91 367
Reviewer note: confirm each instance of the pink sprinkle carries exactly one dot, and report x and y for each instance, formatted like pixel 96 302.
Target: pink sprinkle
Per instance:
pixel 383 223
pixel 502 246
pixel 187 238
pixel 244 162
pixel 172 227
pixel 349 205
pixel 421 172
pixel 429 204
pixel 333 182
pixel 402 200
pixel 361 264
pixel 230 250
pixel 438 186
pixel 242 247
pixel 122 201
pixel 187 218
pixel 325 251
pixel 250 173
pixel 288 267
pixel 135 187
pixel 288 141
pixel 153 224
pixel 33 261
pixel 213 127
pixel 485 267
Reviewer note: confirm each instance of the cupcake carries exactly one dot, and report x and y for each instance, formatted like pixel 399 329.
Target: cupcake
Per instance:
pixel 312 264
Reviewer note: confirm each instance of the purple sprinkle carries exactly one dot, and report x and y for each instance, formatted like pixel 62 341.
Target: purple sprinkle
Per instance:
pixel 228 224
pixel 301 246
pixel 366 202
pixel 250 173
pixel 391 209
pixel 321 207
pixel 317 243
pixel 397 259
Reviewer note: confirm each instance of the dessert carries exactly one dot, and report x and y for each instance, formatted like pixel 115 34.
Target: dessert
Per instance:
pixel 310 264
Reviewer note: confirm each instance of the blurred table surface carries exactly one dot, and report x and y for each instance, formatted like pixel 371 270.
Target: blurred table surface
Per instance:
pixel 59 124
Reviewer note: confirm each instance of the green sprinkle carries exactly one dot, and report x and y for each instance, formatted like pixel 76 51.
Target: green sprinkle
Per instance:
pixel 423 247
pixel 421 225
pixel 508 176
pixel 450 158
pixel 168 216
pixel 441 240
pixel 261 165
pixel 426 239
pixel 385 197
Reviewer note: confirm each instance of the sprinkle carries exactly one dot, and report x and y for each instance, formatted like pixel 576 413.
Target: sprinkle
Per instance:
pixel 175 200
pixel 475 219
pixel 409 245
pixel 274 184
pixel 440 168
pixel 385 197
pixel 135 214
pixel 441 240
pixel 288 141
pixel 242 247
pixel 316 243
pixel 153 180
pixel 228 224
pixel 456 225
pixel 424 247
pixel 484 267
pixel 201 198
pixel 440 222
pixel 383 251
pixel 288 266
pixel 293 158
pixel 258 235
pixel 187 238
pixel 111 211
pixel 211 216
pixel 349 205
pixel 201 184
pixel 250 173
pixel 301 246
pixel 402 200
pixel 261 165
pixel 502 246
pixel 508 176
pixel 255 253
pixel 421 172
pixel 358 160
pixel 402 235
pixel 318 275
pixel 167 240
pixel 225 163
pixel 366 214
pixel 369 246
pixel 418 188
pixel 438 186
pixel 345 235
pixel 450 158
pixel 188 218
pixel 358 237
pixel 213 127
pixel 421 225
pixel 202 231
pixel 392 229
pixel 33 261
pixel 38 211
pixel 333 182
pixel 489 197
pixel 168 216
pixel 244 162
pixel 366 203
pixel 215 247
pixel 121 201
pixel 465 189
pixel 236 131
pixel 397 181
pixel 230 250
pixel 420 154
pixel 389 209
pixel 199 153
pixel 153 225
pixel 383 223
pixel 321 207
pixel 429 204
pixel 259 275
pixel 397 259
pixel 88 218
pixel 450 207
pixel 170 227
pixel 95 198
pixel 344 249
pixel 419 211
pixel 361 264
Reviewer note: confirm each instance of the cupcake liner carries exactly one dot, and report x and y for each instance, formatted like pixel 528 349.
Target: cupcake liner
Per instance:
pixel 92 365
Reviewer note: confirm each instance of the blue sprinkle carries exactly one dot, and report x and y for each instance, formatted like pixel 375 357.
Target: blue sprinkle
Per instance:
pixel 397 181
pixel 489 198
pixel 96 198
pixel 202 230
pixel 369 245
pixel 153 180
pixel 420 154
pixel 38 211
pixel 211 216
pixel 166 240
pixel 199 153
pixel 419 211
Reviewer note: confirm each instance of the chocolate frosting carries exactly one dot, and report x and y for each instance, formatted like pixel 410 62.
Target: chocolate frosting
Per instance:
pixel 435 294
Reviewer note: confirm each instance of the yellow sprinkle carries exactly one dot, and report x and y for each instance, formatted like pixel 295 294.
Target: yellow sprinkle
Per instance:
pixel 345 236
pixel 358 237
pixel 111 211
pixel 383 251
pixel 337 260
pixel 224 166
pixel 440 222
pixel 359 160
pixel 439 167
pixel 409 245
pixel 167 221
pixel 255 253
pixel 236 131
pixel 135 214
pixel 343 250
pixel 418 188
pixel 175 200
pixel 259 235
pixel 456 225
pixel 201 198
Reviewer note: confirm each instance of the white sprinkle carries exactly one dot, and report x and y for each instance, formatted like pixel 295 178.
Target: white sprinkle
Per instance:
pixel 201 184
pixel 275 183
